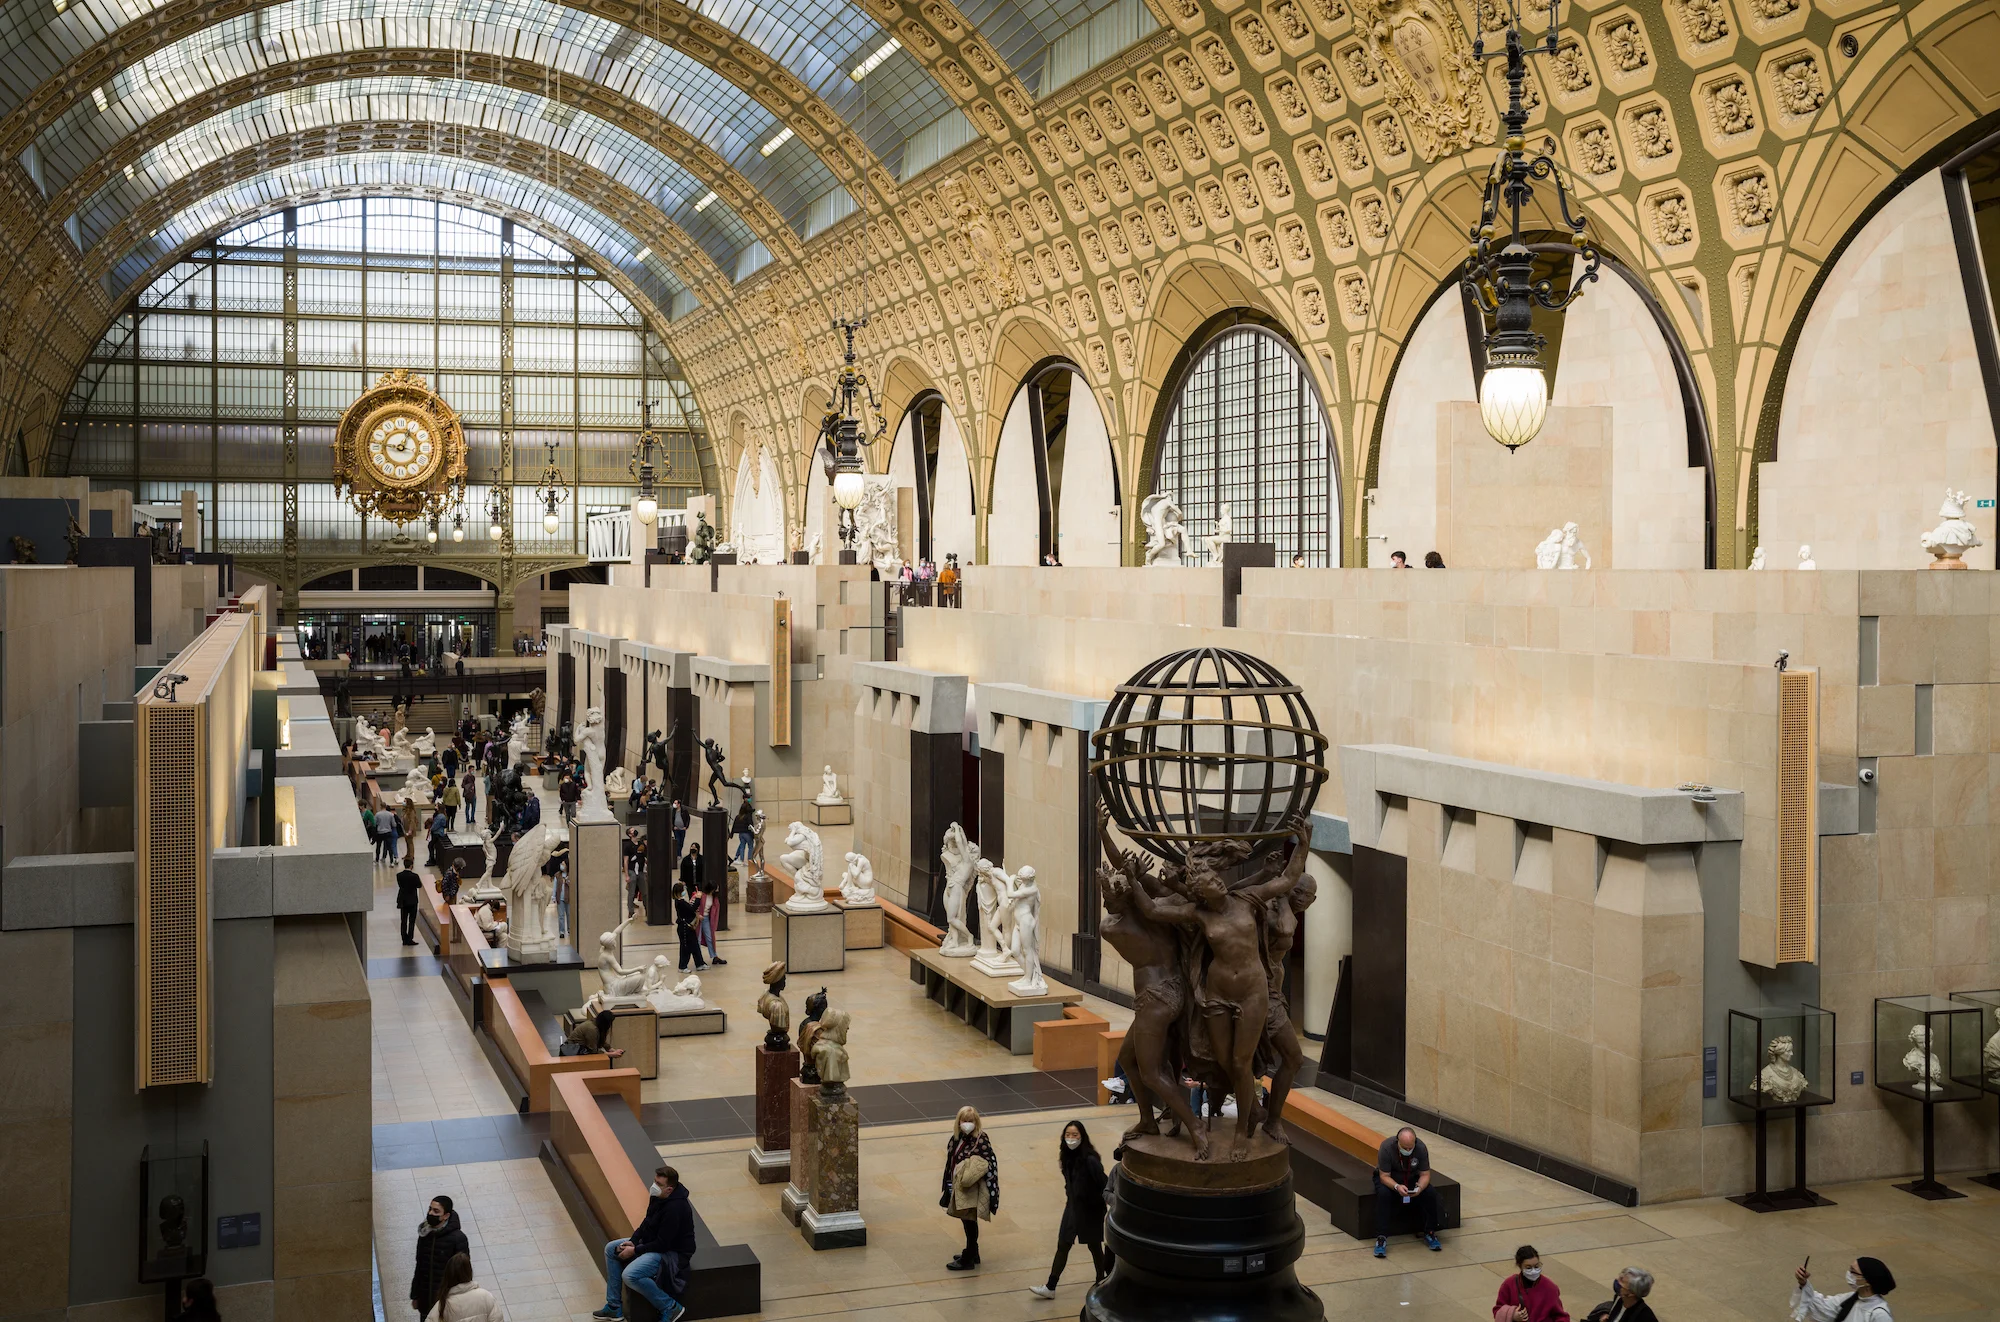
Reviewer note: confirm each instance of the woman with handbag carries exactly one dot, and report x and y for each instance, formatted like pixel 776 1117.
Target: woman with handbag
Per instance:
pixel 971 1183
pixel 1527 1295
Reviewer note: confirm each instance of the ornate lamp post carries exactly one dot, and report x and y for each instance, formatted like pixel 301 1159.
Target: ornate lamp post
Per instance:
pixel 1499 273
pixel 647 508
pixel 552 491
pixel 841 432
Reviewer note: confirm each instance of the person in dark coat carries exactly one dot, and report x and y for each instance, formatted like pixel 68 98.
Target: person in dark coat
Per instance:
pixel 687 917
pixel 198 1301
pixel 409 889
pixel 438 1238
pixel 654 1262
pixel 1083 1207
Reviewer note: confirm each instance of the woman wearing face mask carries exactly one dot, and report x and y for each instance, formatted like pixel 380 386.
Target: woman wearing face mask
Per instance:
pixel 1868 1279
pixel 1628 1299
pixel 1527 1295
pixel 1083 1206
pixel 971 1183
pixel 439 1239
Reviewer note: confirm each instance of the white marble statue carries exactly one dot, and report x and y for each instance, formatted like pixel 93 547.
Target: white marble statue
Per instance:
pixel 1953 537
pixel 1781 1080
pixel 1548 551
pixel 1921 1062
pixel 875 528
pixel 813 548
pixel 803 862
pixel 1023 899
pixel 996 923
pixel 1757 558
pixel 622 986
pixel 401 718
pixel 1220 538
pixel 517 739
pixel 829 787
pixel 368 740
pixel 402 749
pixel 857 882
pixel 1805 558
pixel 1573 548
pixel 1990 1058
pixel 590 744
pixel 1167 541
pixel 665 999
pixel 426 744
pixel 617 783
pixel 531 916
pixel 960 856
pixel 417 792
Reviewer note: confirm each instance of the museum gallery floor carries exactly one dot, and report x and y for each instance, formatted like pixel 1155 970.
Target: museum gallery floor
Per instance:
pixel 444 1124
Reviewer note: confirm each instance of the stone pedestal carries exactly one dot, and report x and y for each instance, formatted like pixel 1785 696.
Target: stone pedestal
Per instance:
pixel 660 861
pixel 713 823
pixel 997 965
pixel 757 892
pixel 798 1192
pixel 867 927
pixel 771 1154
pixel 596 897
pixel 809 942
pixel 832 1217
pixel 830 814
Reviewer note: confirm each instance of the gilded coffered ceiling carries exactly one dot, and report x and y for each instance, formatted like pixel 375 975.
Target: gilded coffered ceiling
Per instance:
pixel 1316 161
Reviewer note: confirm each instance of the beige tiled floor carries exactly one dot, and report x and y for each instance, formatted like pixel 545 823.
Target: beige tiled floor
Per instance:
pixel 1715 1261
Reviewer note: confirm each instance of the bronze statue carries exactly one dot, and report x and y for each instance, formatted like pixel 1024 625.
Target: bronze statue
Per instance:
pixel 718 774
pixel 1221 959
pixel 1284 917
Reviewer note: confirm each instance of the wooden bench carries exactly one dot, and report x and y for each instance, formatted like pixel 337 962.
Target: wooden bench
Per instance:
pixel 523 1045
pixel 597 1142
pixel 1069 1043
pixel 986 1002
pixel 435 918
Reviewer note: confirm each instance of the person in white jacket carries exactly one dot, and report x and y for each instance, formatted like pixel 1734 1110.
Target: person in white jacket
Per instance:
pixel 1868 1279
pixel 461 1300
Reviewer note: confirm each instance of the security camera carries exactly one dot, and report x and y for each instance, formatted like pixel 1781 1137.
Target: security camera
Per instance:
pixel 1784 657
pixel 164 686
pixel 1868 775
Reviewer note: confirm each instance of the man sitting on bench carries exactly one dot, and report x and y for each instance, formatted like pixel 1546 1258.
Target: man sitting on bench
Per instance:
pixel 657 1255
pixel 1403 1178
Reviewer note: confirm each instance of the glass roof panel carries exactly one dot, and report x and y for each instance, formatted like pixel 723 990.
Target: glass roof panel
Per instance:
pixel 636 164
pixel 403 173
pixel 1021 30
pixel 578 45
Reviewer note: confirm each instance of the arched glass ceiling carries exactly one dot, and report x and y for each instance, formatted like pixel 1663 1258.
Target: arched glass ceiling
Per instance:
pixel 587 48
pixel 1021 31
pixel 405 172
pixel 637 165
pixel 818 41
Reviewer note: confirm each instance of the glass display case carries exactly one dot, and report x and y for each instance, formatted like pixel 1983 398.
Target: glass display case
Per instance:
pixel 173 1214
pixel 1781 1058
pixel 1988 1004
pixel 1927 1048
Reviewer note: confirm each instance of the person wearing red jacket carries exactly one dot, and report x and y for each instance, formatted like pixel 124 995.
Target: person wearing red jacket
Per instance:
pixel 1527 1295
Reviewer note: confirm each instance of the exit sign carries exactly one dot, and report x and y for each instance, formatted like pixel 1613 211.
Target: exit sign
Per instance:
pixel 1984 505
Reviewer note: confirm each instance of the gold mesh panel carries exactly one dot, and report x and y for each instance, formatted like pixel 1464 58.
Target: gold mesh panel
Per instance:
pixel 172 932
pixel 1798 816
pixel 781 673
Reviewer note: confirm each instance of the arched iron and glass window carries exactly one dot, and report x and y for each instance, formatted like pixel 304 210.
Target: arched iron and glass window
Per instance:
pixel 1246 429
pixel 189 387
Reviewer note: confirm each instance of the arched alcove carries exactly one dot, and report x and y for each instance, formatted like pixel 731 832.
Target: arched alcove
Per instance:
pixel 758 509
pixel 1055 478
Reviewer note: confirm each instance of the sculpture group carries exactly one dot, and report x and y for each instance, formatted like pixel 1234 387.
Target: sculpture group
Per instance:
pixel 1010 909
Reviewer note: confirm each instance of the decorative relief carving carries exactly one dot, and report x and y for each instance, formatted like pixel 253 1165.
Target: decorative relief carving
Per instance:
pixel 1325 88
pixel 1673 220
pixel 1374 217
pixel 1799 87
pixel 1318 165
pixel 1256 38
pixel 1347 149
pixel 1596 152
pixel 1338 226
pixel 1277 183
pixel 1572 67
pixel 1750 202
pixel 1354 295
pixel 1107 110
pixel 1286 98
pixel 1625 46
pixel 1706 21
pixel 1312 305
pixel 1218 130
pixel 1292 25
pixel 1731 107
pixel 1358 67
pixel 1264 251
pixel 1389 135
pixel 1770 11
pixel 1298 248
pixel 1432 78
pixel 1248 119
pixel 1652 132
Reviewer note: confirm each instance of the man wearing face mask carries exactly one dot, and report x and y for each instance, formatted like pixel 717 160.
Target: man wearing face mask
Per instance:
pixel 654 1262
pixel 1403 1177
pixel 1628 1298
pixel 1527 1295
pixel 1868 1279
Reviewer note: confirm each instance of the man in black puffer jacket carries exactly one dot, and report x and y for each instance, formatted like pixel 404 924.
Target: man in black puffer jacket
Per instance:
pixel 439 1240
pixel 657 1255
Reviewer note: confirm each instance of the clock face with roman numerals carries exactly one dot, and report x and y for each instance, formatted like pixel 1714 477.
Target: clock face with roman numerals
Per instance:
pixel 404 448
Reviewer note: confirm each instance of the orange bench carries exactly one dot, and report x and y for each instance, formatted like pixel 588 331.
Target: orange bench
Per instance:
pixel 521 1044
pixel 610 1185
pixel 1069 1043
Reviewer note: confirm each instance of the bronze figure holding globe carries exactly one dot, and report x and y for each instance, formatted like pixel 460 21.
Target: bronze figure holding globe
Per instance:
pixel 1209 761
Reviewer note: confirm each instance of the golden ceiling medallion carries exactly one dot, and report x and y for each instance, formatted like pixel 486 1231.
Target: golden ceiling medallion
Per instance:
pixel 399 453
pixel 1432 75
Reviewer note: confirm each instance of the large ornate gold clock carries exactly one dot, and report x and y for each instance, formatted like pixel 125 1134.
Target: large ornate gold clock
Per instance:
pixel 399 453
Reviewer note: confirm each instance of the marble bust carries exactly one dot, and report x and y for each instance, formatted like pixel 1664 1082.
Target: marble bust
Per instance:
pixel 1953 537
pixel 829 787
pixel 777 1014
pixel 829 1051
pixel 1757 558
pixel 1781 1080
pixel 1806 558
pixel 1922 1063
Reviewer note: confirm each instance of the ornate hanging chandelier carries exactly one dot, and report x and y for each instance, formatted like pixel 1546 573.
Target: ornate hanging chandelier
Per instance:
pixel 1500 273
pixel 647 507
pixel 840 431
pixel 552 491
